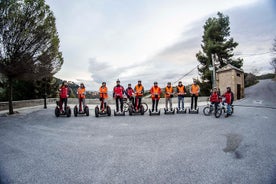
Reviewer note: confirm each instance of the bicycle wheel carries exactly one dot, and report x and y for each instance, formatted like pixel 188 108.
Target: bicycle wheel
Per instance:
pixel 145 106
pixel 125 106
pixel 218 112
pixel 207 111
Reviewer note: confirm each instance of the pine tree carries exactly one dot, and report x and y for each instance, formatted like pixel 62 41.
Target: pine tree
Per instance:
pixel 216 41
pixel 29 43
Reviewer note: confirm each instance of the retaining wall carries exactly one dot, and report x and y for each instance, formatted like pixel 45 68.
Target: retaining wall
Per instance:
pixel 38 102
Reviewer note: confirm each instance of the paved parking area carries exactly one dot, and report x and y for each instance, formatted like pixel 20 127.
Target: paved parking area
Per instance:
pixel 37 147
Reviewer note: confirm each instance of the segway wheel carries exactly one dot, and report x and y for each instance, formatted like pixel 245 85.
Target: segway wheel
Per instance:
pixel 130 111
pixel 86 110
pixel 97 111
pixel 197 110
pixel 108 111
pixel 142 111
pixel 149 112
pixel 206 111
pixel 165 111
pixel 218 113
pixel 232 109
pixel 115 113
pixel 57 112
pixel 68 111
pixel 159 112
pixel 75 111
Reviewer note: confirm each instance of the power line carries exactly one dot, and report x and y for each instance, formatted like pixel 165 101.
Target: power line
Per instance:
pixel 185 74
pixel 254 54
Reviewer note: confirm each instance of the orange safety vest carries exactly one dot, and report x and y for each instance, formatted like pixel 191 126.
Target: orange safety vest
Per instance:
pixel 168 91
pixel 103 92
pixel 139 90
pixel 155 90
pixel 181 89
pixel 194 89
pixel 81 92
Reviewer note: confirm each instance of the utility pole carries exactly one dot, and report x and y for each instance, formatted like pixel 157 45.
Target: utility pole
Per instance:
pixel 214 71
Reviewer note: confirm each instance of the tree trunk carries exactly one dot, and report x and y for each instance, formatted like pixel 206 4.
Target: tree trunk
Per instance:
pixel 10 96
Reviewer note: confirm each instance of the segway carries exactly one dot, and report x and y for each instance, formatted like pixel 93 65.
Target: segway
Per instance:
pixel 193 111
pixel 80 111
pixel 135 110
pixel 60 112
pixel 154 112
pixel 103 111
pixel 169 111
pixel 181 111
pixel 119 113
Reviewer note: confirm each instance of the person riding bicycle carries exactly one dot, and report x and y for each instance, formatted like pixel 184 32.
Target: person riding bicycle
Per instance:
pixel 129 93
pixel 229 98
pixel 168 95
pixel 214 98
pixel 139 92
pixel 118 92
pixel 194 90
pixel 81 96
pixel 155 95
pixel 180 90
pixel 103 95
pixel 63 96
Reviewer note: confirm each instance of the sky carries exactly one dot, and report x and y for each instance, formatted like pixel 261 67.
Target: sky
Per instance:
pixel 154 40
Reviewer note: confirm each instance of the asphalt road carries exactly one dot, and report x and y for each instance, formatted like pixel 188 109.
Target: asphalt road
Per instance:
pixel 37 147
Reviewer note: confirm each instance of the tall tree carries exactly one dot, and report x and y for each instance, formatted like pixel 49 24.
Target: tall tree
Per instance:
pixel 29 43
pixel 216 41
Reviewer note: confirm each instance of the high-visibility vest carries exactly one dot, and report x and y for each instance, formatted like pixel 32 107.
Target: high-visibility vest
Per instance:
pixel 195 89
pixel 155 90
pixel 103 92
pixel 81 92
pixel 139 90
pixel 168 91
pixel 181 89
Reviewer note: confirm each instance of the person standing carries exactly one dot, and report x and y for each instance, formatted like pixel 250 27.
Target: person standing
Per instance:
pixel 81 96
pixel 139 92
pixel 229 98
pixel 180 90
pixel 63 96
pixel 103 95
pixel 155 96
pixel 118 92
pixel 194 90
pixel 129 93
pixel 168 95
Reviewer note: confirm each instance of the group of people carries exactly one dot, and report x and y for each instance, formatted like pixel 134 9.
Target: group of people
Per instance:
pixel 135 95
pixel 216 98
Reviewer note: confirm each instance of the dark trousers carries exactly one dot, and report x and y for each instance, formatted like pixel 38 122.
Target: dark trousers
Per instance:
pixel 216 105
pixel 155 104
pixel 138 100
pixel 194 98
pixel 119 99
pixel 63 100
pixel 131 99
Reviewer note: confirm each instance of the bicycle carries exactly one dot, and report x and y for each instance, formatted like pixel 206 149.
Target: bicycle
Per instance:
pixel 207 111
pixel 127 104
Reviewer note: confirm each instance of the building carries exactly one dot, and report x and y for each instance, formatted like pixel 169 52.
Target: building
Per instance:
pixel 233 77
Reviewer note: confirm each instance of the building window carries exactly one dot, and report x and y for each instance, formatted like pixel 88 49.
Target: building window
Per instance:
pixel 238 74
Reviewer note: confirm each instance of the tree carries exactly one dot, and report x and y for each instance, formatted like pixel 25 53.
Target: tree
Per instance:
pixel 273 62
pixel 216 41
pixel 29 43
